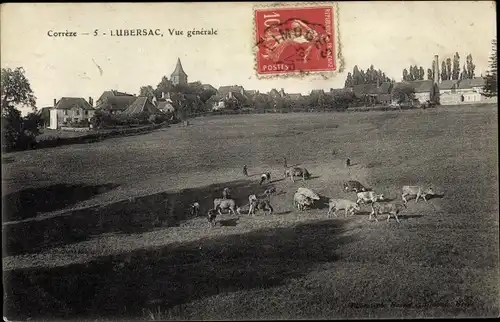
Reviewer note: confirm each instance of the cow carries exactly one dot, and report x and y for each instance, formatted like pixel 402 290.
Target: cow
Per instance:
pixel 338 204
pixel 300 201
pixel 368 196
pixel 391 209
pixel 353 185
pixel 260 204
pixel 265 177
pixel 415 190
pixel 225 204
pixel 226 193
pixel 297 172
pixel 308 193
pixel 211 215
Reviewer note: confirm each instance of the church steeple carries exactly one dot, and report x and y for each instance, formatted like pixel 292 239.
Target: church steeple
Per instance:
pixel 179 76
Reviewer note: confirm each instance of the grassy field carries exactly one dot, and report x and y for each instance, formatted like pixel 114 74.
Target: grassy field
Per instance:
pixel 88 234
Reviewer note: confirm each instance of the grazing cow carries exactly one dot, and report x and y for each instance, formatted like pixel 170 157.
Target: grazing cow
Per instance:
pixel 353 185
pixel 195 209
pixel 211 217
pixel 260 204
pixel 368 196
pixel 308 193
pixel 297 172
pixel 416 190
pixel 338 204
pixel 225 204
pixel 265 177
pixel 301 202
pixel 391 209
pixel 226 193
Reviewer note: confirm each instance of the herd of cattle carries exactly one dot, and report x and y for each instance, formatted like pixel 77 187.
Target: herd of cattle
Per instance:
pixel 305 198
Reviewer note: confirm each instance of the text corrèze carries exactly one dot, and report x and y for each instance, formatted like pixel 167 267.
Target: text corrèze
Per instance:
pixel 136 32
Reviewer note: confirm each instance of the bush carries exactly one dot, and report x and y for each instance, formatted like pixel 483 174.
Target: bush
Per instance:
pixel 19 133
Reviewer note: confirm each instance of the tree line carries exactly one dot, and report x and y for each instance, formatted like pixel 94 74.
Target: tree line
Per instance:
pixel 450 70
pixel 370 76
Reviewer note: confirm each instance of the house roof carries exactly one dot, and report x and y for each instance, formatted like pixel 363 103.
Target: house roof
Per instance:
pixel 420 86
pixel 116 103
pixel 142 104
pixel 178 69
pixel 385 88
pixel 208 86
pixel 447 84
pixel 67 103
pixel 473 82
pixel 334 91
pixel 365 89
pixel 112 93
pixel 235 88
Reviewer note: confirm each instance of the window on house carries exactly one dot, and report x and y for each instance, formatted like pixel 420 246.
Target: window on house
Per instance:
pixel 65 112
pixel 86 112
pixel 77 112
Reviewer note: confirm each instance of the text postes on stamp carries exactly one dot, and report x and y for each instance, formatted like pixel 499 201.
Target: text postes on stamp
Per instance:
pixel 294 40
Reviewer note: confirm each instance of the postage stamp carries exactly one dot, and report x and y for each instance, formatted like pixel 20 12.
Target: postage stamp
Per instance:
pixel 295 39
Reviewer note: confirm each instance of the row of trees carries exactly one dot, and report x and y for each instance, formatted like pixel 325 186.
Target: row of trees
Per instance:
pixel 450 70
pixel 371 76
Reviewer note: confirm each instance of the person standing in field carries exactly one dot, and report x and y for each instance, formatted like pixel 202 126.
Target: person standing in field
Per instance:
pixel 245 171
pixel 347 163
pixel 285 163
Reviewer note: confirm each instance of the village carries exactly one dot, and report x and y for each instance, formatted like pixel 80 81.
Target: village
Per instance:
pixel 178 98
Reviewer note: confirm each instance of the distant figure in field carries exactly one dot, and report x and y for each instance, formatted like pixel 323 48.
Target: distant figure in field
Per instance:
pixel 245 170
pixel 348 162
pixel 285 163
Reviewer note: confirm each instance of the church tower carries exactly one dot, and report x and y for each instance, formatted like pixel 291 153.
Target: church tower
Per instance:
pixel 179 76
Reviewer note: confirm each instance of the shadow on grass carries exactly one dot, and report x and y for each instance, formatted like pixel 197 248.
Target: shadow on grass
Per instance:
pixel 7 160
pixel 283 212
pixel 27 203
pixel 122 286
pixel 228 222
pixel 127 216
pixel 435 196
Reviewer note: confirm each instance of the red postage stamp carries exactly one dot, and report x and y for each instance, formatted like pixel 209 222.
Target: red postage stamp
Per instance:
pixel 294 40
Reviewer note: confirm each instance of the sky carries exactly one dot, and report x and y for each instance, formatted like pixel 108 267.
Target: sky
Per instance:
pixel 390 35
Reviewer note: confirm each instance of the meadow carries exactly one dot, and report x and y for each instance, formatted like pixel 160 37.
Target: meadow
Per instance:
pixel 87 232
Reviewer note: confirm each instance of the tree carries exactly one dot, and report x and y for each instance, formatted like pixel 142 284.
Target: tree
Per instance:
pixel 491 86
pixel 405 75
pixel 448 68
pixel 470 67
pixel 18 132
pixel 357 76
pixel 164 86
pixel 444 74
pixel 16 89
pixel 455 73
pixel 464 74
pixel 147 91
pixel 404 93
pixel 348 81
pixel 421 75
pixel 430 74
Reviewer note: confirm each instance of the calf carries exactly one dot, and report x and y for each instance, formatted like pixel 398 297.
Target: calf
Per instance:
pixel 391 209
pixel 338 204
pixel 211 217
pixel 297 172
pixel 225 204
pixel 265 177
pixel 368 196
pixel 353 185
pixel 415 190
pixel 300 201
pixel 308 193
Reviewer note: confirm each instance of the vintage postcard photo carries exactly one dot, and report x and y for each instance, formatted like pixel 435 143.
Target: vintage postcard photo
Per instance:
pixel 249 160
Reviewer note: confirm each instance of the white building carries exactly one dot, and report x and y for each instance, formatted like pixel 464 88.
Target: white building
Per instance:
pixel 70 110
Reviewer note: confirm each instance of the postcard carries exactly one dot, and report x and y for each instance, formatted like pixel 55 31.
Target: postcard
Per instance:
pixel 249 160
